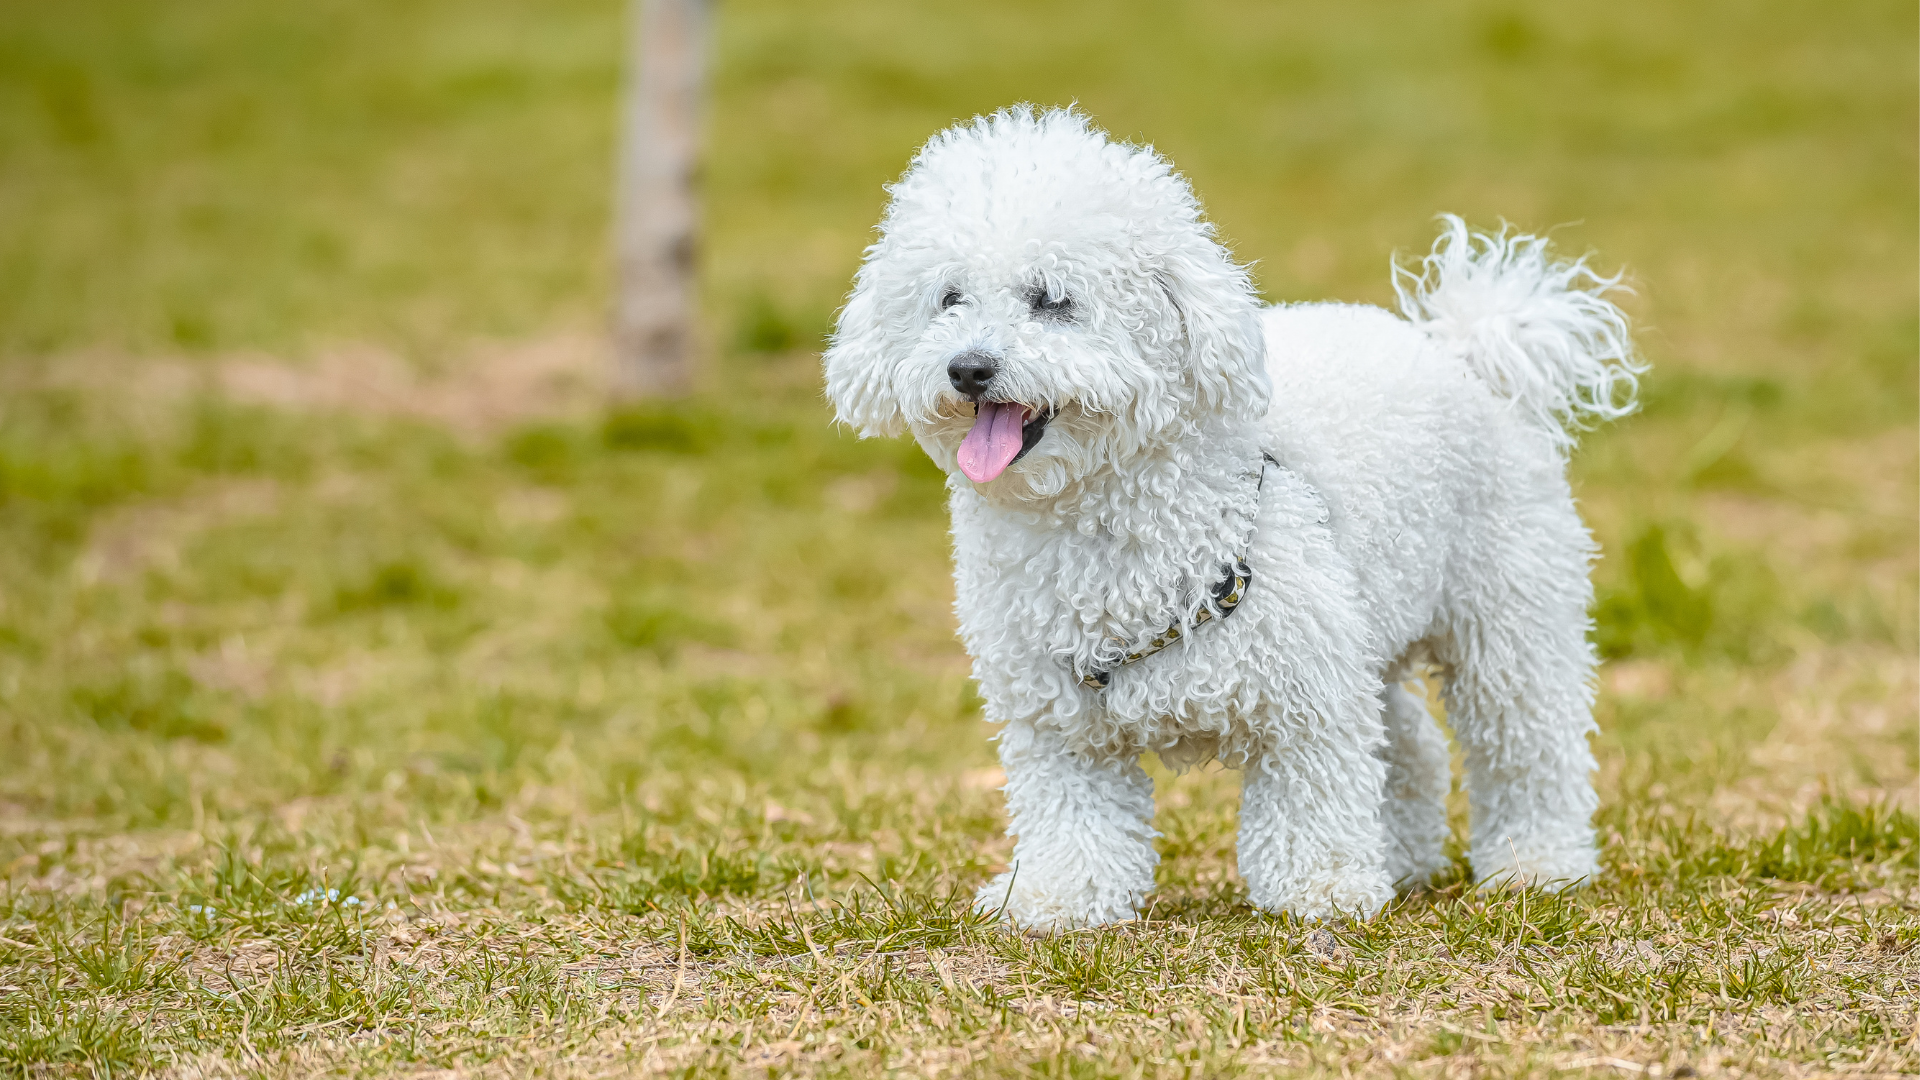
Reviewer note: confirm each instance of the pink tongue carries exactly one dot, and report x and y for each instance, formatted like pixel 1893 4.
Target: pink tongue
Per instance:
pixel 994 441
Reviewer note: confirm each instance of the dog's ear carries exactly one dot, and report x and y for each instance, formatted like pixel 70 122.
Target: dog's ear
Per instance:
pixel 1226 361
pixel 856 363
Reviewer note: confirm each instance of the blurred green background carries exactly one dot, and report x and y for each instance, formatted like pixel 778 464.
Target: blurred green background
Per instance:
pixel 322 547
pixel 418 193
pixel 302 585
pixel 229 175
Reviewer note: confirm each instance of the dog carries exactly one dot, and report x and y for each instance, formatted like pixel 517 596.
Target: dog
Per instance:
pixel 1188 523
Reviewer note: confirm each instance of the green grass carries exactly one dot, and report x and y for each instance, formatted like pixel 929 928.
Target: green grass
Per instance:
pixel 374 700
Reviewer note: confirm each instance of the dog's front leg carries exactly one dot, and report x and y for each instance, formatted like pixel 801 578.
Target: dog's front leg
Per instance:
pixel 1311 838
pixel 1083 851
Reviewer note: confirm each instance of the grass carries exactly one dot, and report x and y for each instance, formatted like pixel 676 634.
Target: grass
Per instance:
pixel 376 701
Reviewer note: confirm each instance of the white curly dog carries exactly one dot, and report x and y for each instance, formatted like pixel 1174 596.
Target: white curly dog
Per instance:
pixel 1188 523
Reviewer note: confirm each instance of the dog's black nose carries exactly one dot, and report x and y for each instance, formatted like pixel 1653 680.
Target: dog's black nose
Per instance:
pixel 970 372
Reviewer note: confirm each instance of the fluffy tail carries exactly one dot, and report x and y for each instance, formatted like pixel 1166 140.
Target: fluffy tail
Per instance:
pixel 1539 331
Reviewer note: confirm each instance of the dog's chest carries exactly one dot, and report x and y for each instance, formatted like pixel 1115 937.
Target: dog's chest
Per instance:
pixel 1042 609
pixel 1035 637
pixel 1060 592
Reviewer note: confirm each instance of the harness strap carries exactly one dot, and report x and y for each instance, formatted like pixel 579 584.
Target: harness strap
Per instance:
pixel 1225 594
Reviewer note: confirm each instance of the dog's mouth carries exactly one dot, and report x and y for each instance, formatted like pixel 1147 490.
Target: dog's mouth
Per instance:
pixel 1002 433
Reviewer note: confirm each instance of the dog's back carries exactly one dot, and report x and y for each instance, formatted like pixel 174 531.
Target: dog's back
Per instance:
pixel 1425 435
pixel 1401 442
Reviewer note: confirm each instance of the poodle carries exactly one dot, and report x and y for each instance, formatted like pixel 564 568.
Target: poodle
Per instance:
pixel 1188 523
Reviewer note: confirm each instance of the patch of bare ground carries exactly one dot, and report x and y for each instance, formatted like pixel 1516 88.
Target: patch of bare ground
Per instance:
pixel 1846 723
pixel 484 388
pixel 490 387
pixel 1853 504
pixel 132 539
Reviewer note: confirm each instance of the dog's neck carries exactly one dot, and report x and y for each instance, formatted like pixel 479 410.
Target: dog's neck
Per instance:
pixel 1131 540
pixel 1136 496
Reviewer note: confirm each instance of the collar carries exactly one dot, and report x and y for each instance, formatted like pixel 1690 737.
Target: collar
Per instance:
pixel 1222 599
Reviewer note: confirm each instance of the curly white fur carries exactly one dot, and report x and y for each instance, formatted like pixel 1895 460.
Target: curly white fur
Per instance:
pixel 1540 332
pixel 1419 512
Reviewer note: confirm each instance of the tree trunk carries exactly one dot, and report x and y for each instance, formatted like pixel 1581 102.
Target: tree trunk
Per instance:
pixel 656 216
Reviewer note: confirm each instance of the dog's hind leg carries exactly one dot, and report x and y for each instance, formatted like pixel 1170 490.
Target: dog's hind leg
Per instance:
pixel 1419 775
pixel 1520 698
pixel 1083 854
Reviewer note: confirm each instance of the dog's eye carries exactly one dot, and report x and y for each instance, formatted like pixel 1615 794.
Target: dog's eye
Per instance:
pixel 1058 309
pixel 950 298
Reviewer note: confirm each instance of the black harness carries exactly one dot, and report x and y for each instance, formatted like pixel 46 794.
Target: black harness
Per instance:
pixel 1223 598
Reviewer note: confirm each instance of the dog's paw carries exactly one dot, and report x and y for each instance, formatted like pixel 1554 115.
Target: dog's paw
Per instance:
pixel 1345 892
pixel 1036 906
pixel 1549 868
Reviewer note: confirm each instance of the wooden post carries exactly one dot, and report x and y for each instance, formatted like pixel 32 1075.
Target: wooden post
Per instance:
pixel 656 217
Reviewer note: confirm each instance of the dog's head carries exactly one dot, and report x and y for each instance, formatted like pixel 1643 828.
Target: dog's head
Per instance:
pixel 1043 300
